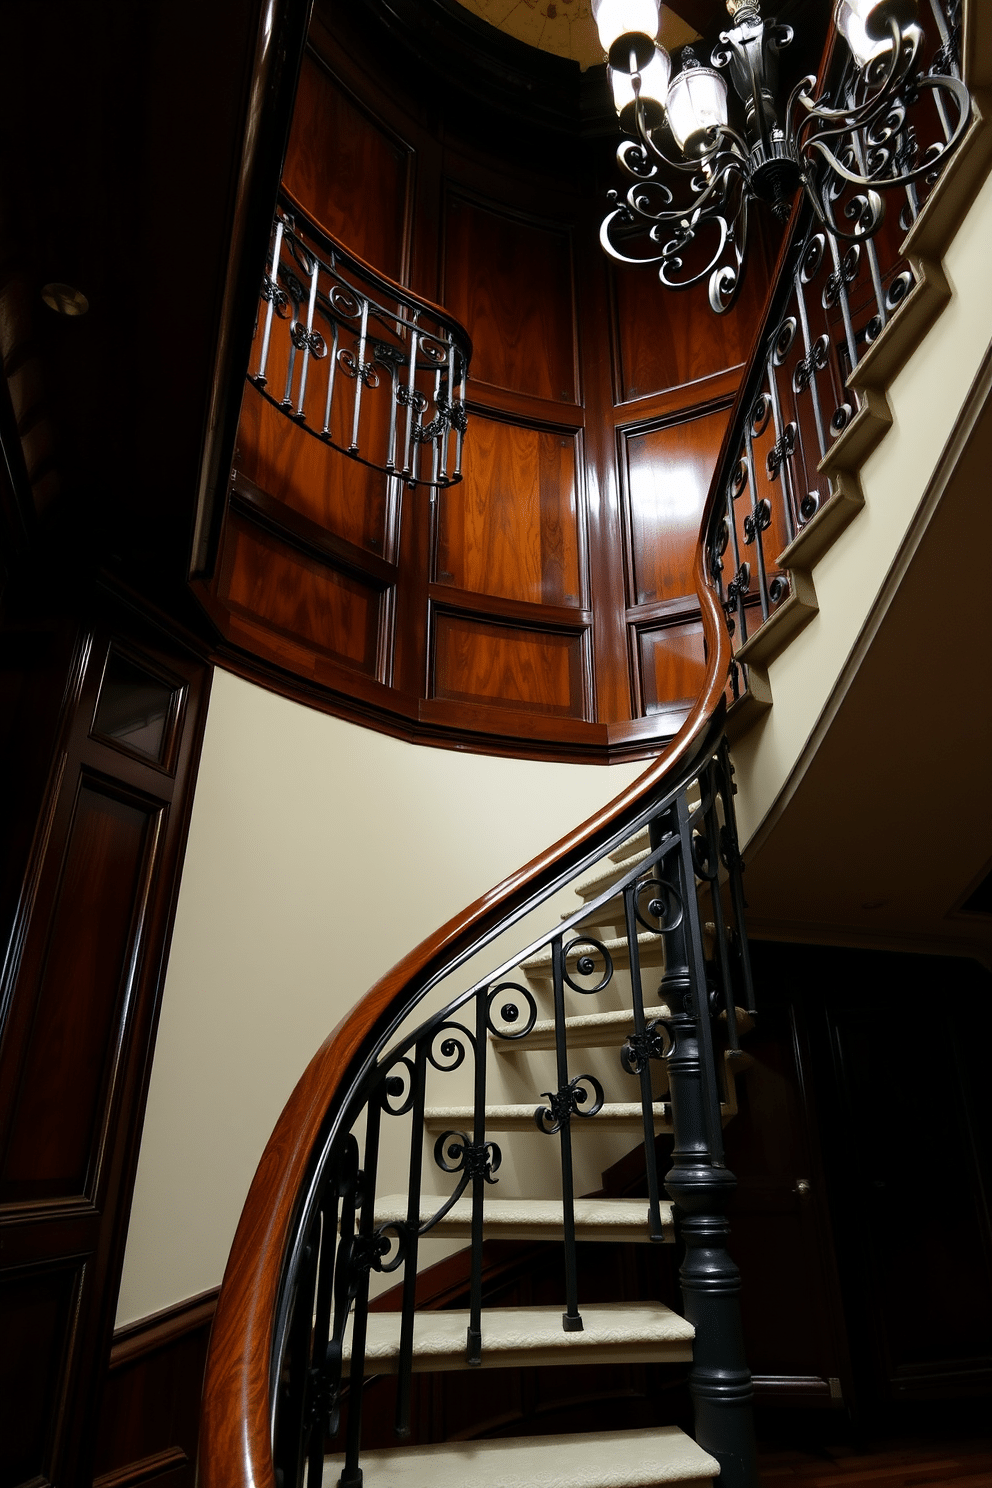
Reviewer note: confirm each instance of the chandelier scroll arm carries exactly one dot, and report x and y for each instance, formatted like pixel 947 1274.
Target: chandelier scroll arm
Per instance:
pixel 903 57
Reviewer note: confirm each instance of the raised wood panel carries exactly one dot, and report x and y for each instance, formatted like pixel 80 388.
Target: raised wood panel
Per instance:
pixel 350 173
pixel 54 1122
pixel 479 662
pixel 668 472
pixel 36 1315
pixel 323 485
pixel 672 664
pixel 511 528
pixel 510 282
pixel 150 1415
pixel 336 612
pixel 668 338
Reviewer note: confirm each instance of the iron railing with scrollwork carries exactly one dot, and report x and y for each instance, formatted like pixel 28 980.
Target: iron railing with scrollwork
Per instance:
pixel 835 294
pixel 358 361
pixel 685 893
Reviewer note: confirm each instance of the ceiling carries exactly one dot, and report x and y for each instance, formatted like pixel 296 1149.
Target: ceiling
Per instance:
pixel 566 27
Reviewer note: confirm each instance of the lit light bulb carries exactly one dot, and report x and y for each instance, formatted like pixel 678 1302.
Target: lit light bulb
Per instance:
pixel 697 100
pixel 864 25
pixel 654 92
pixel 627 29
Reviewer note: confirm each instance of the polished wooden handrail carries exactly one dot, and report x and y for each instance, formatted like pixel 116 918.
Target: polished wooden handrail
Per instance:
pixel 235 1445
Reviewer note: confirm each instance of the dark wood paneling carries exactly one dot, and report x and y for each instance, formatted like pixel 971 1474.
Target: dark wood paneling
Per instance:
pixel 150 1416
pixel 50 1146
pixel 667 339
pixel 508 666
pixel 300 596
pixel 80 998
pixel 509 282
pixel 667 472
pixel 327 488
pixel 350 172
pixel 511 528
pixel 36 1316
pixel 671 663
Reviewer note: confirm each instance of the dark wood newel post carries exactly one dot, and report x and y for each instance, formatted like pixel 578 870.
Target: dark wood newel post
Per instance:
pixel 700 1185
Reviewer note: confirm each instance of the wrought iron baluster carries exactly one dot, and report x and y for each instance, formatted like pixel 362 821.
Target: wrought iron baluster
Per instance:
pixel 742 576
pixel 839 280
pixel 782 452
pixel 359 377
pixel 734 864
pixel 636 1057
pixel 405 1363
pixel 361 1264
pixel 810 362
pixel 708 782
pixel 271 290
pixel 571 1318
pixel 460 425
pixel 322 1403
pixel 308 341
pixel 332 367
pixel 410 400
pixel 474 1341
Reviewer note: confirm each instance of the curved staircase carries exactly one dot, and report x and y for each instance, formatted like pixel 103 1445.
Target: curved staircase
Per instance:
pixel 618 1022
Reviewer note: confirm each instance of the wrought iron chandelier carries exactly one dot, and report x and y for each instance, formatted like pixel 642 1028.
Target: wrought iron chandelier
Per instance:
pixel 843 149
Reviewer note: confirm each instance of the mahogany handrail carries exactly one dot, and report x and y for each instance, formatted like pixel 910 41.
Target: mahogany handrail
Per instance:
pixel 235 1441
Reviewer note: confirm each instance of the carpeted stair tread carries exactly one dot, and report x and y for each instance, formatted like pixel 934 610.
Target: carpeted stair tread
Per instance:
pixel 523 1337
pixel 595 1459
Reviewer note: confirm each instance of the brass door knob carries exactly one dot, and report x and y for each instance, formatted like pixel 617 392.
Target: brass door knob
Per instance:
pixel 802 1187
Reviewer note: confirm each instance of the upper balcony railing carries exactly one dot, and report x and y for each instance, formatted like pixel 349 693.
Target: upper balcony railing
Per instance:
pixel 360 362
pixel 841 279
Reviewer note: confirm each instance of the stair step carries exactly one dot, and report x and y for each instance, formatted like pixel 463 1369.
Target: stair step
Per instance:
pixel 533 1219
pixel 594 1459
pixel 527 1337
pixel 585 1031
pixel 616 1116
pixel 650 946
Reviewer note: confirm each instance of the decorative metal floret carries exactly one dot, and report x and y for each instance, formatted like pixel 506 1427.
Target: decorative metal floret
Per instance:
pixel 842 154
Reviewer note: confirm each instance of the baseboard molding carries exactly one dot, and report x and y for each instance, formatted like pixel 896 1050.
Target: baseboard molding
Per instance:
pixel 143 1471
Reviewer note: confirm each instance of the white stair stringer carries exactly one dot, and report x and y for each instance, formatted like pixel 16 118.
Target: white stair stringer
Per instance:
pixel 596 1459
pixel 528 1337
pixel 533 1219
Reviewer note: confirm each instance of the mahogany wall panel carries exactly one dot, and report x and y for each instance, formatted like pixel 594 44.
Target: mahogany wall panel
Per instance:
pixel 668 339
pixel 510 282
pixel 300 595
pixel 36 1312
pixel 50 1145
pixel 349 171
pixel 672 664
pixel 477 661
pixel 510 529
pixel 347 498
pixel 668 469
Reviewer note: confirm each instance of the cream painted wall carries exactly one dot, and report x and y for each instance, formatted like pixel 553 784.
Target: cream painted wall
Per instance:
pixel 319 853
pixel 925 398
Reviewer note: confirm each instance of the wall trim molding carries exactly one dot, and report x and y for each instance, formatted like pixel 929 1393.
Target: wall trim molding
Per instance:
pixel 134 1340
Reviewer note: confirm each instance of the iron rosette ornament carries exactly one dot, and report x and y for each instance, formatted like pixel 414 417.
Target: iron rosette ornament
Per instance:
pixel 695 174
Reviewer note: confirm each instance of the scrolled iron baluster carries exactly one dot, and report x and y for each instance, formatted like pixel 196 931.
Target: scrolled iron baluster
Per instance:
pixel 645 1044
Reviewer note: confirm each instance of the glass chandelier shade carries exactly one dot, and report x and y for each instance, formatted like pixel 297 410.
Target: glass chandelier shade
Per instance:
pixel 653 95
pixel 697 101
pixel 627 30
